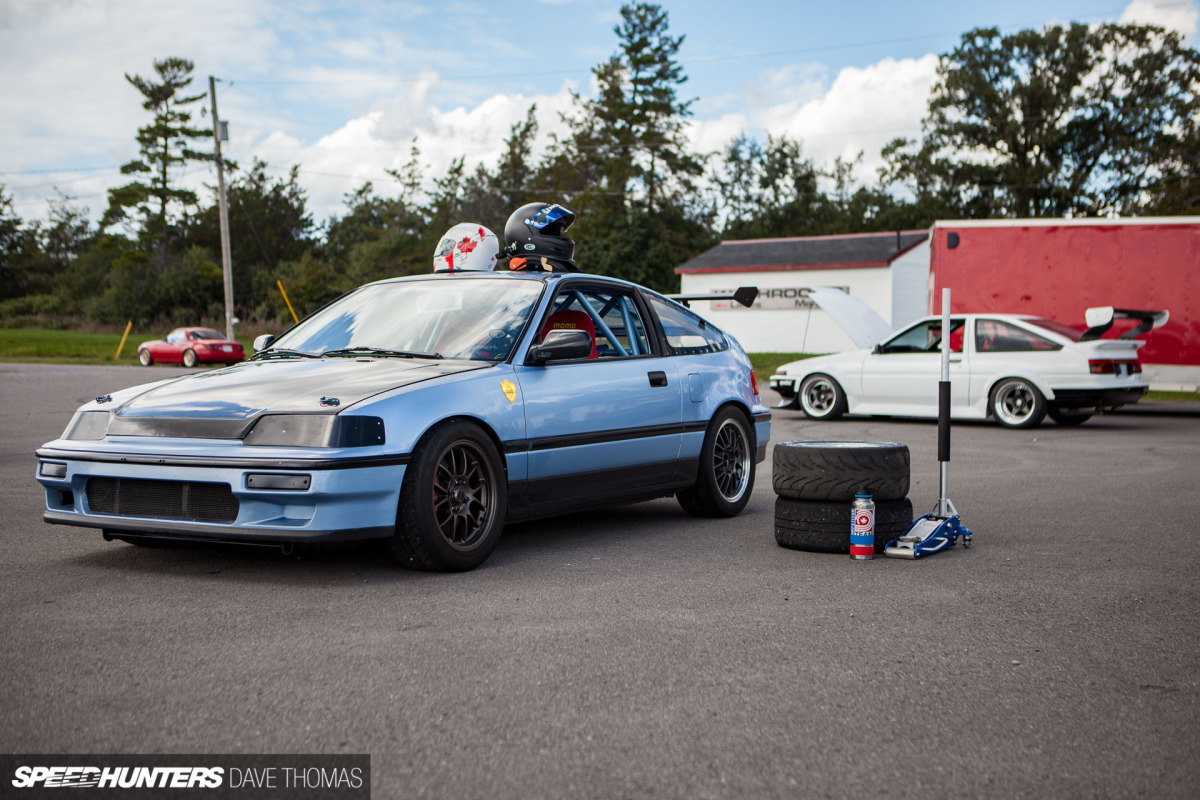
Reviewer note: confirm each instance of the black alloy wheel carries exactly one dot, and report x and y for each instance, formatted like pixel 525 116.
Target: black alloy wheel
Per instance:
pixel 453 501
pixel 726 475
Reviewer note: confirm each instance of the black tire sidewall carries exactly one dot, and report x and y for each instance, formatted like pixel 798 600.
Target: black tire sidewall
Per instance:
pixel 421 544
pixel 818 527
pixel 834 471
pixel 705 498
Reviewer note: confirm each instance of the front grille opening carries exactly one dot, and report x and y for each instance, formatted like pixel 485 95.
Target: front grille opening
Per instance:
pixel 187 500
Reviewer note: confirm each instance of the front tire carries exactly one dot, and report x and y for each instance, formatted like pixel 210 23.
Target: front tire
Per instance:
pixel 821 397
pixel 1017 403
pixel 453 501
pixel 144 358
pixel 726 476
pixel 189 358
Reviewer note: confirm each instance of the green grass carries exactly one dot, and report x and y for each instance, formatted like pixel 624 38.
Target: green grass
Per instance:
pixel 766 364
pixel 33 345
pixel 1173 397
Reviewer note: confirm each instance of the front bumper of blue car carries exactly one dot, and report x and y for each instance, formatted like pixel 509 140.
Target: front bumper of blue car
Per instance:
pixel 200 493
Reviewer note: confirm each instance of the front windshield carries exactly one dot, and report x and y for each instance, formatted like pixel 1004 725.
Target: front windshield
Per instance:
pixel 477 319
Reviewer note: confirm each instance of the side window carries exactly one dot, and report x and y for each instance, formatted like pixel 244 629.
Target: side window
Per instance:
pixel 609 316
pixel 175 336
pixel 926 337
pixel 687 333
pixel 994 336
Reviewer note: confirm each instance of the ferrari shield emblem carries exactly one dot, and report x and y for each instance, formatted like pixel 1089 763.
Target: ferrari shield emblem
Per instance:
pixel 510 390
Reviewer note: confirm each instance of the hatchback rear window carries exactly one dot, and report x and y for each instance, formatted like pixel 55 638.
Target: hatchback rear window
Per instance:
pixel 1059 328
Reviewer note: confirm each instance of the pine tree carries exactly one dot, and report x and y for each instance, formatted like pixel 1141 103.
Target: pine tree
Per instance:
pixel 163 149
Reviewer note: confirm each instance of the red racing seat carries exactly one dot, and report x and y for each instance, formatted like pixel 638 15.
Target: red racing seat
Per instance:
pixel 572 321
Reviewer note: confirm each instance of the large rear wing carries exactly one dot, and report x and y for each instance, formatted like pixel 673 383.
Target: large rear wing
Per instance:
pixel 1100 319
pixel 745 296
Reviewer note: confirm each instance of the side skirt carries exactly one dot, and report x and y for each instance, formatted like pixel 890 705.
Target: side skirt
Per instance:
pixel 546 497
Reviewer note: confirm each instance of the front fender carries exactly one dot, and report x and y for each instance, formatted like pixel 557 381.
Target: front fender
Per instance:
pixel 845 368
pixel 409 412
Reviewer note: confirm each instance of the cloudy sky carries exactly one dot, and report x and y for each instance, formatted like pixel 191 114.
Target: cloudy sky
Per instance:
pixel 342 88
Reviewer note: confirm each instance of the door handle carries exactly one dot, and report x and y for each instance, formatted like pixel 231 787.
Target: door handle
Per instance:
pixel 657 378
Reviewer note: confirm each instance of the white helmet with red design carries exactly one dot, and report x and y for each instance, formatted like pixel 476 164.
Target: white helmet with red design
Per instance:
pixel 466 246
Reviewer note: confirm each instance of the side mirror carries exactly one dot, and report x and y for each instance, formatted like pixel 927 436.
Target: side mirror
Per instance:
pixel 877 348
pixel 561 345
pixel 263 342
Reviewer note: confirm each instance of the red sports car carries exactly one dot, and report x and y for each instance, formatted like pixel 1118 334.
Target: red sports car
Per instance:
pixel 191 346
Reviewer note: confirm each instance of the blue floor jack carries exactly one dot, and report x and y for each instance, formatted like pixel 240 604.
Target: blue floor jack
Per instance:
pixel 939 529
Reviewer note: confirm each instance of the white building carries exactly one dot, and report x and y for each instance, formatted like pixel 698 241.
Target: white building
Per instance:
pixel 889 271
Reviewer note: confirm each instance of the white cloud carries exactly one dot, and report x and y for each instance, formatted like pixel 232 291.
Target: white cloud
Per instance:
pixel 1170 14
pixel 66 101
pixel 363 148
pixel 862 110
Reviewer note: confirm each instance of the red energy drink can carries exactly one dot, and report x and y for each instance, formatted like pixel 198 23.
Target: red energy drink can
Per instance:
pixel 862 527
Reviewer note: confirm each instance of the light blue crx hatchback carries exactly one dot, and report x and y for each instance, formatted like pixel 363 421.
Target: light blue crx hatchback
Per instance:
pixel 429 411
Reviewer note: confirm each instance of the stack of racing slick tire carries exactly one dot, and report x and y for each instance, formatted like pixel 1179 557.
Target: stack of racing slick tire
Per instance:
pixel 816 482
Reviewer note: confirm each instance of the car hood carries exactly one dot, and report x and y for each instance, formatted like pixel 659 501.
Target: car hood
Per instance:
pixel 818 363
pixel 224 402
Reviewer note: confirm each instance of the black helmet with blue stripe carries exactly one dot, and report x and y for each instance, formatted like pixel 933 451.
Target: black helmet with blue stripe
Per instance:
pixel 538 230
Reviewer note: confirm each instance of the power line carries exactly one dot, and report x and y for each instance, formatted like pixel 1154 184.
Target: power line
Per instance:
pixel 52 170
pixel 685 60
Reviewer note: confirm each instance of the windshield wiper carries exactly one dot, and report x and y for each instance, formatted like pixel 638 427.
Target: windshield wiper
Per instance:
pixel 380 352
pixel 263 355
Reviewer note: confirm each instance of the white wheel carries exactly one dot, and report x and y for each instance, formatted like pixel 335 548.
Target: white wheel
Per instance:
pixel 1016 403
pixel 821 397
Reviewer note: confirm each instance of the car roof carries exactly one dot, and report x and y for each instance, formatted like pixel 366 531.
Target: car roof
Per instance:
pixel 544 277
pixel 988 314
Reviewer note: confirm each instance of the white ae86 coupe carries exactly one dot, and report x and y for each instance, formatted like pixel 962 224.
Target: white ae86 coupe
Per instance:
pixel 1014 368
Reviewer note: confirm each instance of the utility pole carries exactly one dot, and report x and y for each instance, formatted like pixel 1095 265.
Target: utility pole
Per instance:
pixel 222 210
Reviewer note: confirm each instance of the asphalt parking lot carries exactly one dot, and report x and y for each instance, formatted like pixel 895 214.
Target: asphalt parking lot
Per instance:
pixel 636 652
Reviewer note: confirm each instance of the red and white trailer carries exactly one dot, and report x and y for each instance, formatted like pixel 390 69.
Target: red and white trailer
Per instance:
pixel 1056 268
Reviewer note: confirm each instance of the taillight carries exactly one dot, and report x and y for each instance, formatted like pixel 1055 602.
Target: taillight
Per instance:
pixel 754 382
pixel 1107 366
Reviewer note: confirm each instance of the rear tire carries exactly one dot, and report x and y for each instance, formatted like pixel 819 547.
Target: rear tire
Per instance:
pixel 1069 417
pixel 835 471
pixel 726 475
pixel 821 397
pixel 453 501
pixel 144 358
pixel 825 527
pixel 189 358
pixel 1017 403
